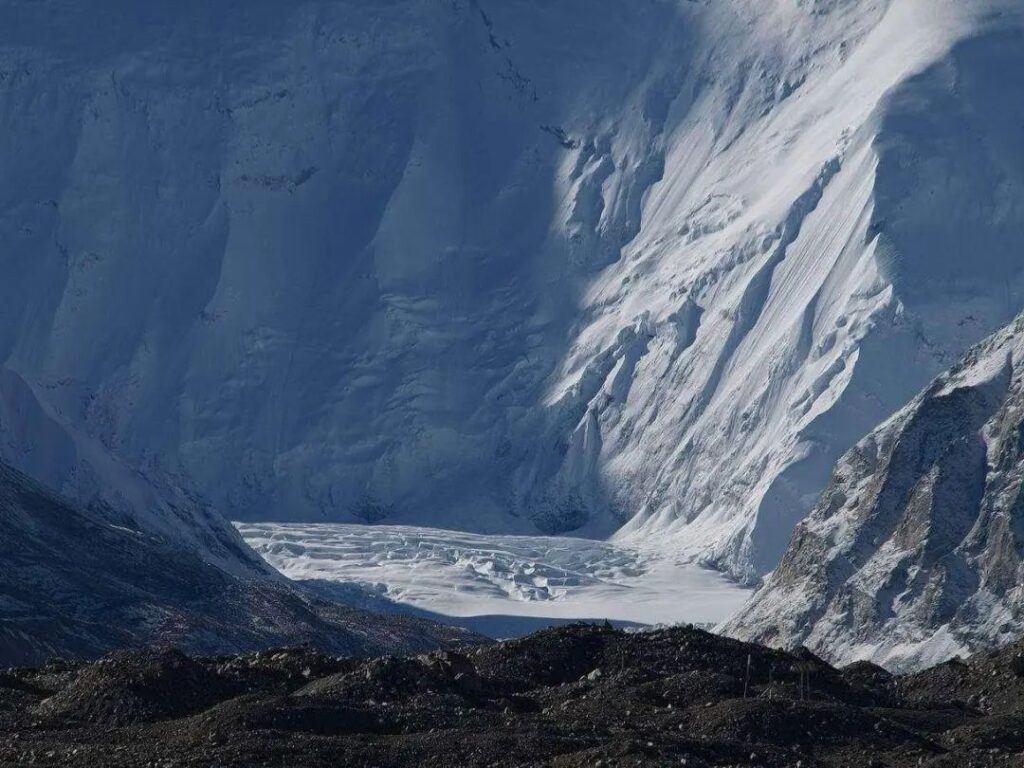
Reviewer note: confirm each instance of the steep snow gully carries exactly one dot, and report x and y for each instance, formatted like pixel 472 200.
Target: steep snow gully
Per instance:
pixel 642 269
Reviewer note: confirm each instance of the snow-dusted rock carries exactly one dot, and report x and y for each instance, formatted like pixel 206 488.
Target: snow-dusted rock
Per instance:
pixel 913 552
pixel 74 584
pixel 504 266
pixel 35 440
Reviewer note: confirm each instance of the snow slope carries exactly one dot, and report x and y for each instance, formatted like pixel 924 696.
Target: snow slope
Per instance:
pixel 913 553
pixel 503 584
pixel 509 266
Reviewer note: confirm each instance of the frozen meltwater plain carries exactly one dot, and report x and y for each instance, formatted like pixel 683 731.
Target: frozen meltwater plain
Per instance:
pixel 496 584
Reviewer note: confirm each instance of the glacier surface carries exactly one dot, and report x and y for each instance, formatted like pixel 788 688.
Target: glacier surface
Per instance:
pixel 499 585
pixel 508 267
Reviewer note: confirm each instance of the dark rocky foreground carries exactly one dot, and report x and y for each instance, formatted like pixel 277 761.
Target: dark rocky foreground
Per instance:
pixel 576 696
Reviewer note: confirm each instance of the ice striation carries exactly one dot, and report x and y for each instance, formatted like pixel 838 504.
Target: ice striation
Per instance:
pixel 913 554
pixel 506 267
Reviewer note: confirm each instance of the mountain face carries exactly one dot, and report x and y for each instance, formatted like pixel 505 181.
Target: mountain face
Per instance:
pixel 501 266
pixel 914 551
pixel 73 584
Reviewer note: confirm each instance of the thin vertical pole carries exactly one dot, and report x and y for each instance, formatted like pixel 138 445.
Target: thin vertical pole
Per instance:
pixel 746 681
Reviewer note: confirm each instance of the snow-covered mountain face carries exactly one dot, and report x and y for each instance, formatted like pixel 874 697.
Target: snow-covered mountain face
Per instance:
pixel 505 266
pixel 914 552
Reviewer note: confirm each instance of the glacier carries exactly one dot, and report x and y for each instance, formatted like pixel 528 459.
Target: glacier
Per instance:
pixel 500 586
pixel 642 270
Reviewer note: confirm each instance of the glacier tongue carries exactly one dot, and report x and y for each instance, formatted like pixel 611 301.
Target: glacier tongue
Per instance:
pixel 913 553
pixel 497 585
pixel 505 267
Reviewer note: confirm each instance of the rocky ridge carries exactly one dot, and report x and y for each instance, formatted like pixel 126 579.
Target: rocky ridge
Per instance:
pixel 75 584
pixel 913 554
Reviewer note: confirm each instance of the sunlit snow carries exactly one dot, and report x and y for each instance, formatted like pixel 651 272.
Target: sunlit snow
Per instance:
pixel 488 581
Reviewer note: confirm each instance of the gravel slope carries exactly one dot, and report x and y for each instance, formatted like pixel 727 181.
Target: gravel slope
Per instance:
pixel 580 696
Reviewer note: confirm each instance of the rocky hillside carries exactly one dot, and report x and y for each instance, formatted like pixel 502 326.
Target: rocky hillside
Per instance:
pixel 75 584
pixel 914 551
pixel 502 266
pixel 575 697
